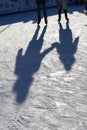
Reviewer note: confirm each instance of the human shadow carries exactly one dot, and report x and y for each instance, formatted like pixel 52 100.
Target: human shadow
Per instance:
pixel 28 64
pixel 67 47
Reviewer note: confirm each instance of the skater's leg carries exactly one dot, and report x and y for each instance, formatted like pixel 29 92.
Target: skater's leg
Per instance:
pixel 38 13
pixel 66 17
pixel 45 13
pixel 59 15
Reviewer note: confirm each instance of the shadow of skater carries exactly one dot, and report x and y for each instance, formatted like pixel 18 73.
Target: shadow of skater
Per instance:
pixel 28 64
pixel 67 47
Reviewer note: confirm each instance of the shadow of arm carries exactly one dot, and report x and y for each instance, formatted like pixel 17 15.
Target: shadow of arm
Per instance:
pixel 48 50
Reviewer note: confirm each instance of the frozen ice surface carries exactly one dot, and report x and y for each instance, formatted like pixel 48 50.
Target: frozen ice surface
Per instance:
pixel 43 71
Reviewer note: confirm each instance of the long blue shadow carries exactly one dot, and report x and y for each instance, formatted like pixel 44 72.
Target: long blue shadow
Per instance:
pixel 28 64
pixel 67 47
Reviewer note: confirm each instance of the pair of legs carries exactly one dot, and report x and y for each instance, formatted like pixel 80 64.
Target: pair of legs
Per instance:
pixel 65 12
pixel 39 7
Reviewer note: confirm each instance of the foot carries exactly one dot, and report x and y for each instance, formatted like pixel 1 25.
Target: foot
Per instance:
pixel 67 19
pixel 38 22
pixel 59 20
pixel 46 21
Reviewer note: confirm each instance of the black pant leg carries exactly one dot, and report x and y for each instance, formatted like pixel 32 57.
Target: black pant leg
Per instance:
pixel 59 14
pixel 44 12
pixel 66 17
pixel 39 12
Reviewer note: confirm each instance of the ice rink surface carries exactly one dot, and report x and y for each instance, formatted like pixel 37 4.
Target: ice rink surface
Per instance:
pixel 43 71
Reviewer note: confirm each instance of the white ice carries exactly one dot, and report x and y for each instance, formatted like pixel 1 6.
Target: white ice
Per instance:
pixel 43 71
